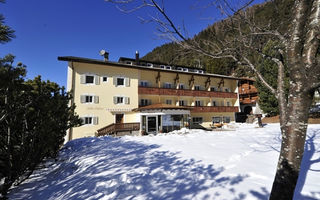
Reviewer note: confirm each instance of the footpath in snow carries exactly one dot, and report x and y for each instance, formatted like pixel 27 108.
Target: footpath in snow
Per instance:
pixel 194 164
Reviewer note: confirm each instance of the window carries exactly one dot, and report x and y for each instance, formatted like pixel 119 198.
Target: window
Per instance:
pixel 89 79
pixel 120 81
pixel 197 120
pixel 182 103
pixel 185 69
pixel 149 64
pixel 168 67
pixel 222 103
pixel 228 103
pixel 227 90
pixel 104 79
pixel 214 103
pixel 197 87
pixel 119 100
pixel 179 68
pixel 129 62
pixel 181 86
pixel 167 85
pixel 168 101
pixel 145 102
pixel 213 89
pixel 216 120
pixel 162 66
pixel 198 103
pixel 144 83
pixel 89 99
pixel 226 119
pixel 89 120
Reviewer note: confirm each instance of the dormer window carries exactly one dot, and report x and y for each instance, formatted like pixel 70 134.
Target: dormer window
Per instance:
pixel 167 85
pixel 179 68
pixel 162 66
pixel 185 69
pixel 197 87
pixel 128 62
pixel 168 67
pixel 149 64
pixel 200 71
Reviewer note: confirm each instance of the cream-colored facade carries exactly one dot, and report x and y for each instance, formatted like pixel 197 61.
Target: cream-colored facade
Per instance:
pixel 107 92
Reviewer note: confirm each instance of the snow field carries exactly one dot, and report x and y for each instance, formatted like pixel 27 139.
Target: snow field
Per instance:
pixel 186 164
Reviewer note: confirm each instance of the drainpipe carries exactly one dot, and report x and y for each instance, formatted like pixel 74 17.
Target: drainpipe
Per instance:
pixel 72 99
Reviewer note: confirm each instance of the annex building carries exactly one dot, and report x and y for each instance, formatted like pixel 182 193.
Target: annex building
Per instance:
pixel 148 97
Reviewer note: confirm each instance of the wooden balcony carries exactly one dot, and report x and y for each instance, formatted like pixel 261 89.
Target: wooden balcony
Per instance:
pixel 192 93
pixel 214 108
pixel 114 129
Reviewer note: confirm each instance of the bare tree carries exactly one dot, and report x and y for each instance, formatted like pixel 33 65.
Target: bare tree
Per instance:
pixel 297 49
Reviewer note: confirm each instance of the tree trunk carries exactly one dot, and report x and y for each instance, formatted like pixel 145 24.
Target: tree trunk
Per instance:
pixel 292 147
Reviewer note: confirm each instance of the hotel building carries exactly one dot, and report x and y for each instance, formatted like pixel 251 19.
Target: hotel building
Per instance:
pixel 138 96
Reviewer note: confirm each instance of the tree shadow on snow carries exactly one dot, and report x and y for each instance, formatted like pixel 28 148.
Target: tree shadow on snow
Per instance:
pixel 120 169
pixel 311 156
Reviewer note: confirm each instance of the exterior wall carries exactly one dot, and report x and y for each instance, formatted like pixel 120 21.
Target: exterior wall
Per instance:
pixel 105 110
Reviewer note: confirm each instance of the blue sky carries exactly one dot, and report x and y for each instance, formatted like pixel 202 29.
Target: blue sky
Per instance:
pixel 46 29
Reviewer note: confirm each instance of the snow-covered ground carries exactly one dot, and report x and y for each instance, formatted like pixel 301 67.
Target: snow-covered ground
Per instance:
pixel 238 164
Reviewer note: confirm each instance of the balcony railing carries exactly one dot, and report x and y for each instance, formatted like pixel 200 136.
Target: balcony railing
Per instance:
pixel 113 129
pixel 214 108
pixel 182 92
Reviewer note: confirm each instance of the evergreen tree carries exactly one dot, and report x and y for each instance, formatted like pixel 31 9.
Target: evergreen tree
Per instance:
pixel 267 101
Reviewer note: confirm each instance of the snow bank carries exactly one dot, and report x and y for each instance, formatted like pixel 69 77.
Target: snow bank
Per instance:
pixel 189 164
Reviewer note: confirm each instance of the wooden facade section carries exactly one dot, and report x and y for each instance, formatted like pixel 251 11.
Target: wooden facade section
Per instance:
pixel 180 92
pixel 248 93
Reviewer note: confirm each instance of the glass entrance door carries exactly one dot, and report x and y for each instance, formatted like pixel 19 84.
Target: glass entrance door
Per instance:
pixel 152 124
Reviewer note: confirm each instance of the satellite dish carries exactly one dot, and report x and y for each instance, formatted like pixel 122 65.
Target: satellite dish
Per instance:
pixel 102 52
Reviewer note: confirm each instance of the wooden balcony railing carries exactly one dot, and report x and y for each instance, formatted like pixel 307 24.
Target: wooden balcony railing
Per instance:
pixel 248 91
pixel 181 92
pixel 113 129
pixel 214 108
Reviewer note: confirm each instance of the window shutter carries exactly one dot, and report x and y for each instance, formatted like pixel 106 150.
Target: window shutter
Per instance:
pixel 82 79
pixel 96 99
pixel 114 81
pixel 82 98
pixel 127 82
pixel 127 100
pixel 115 100
pixel 82 120
pixel 97 80
pixel 95 120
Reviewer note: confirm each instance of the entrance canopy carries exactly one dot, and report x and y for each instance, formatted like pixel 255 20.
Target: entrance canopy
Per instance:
pixel 163 118
pixel 163 109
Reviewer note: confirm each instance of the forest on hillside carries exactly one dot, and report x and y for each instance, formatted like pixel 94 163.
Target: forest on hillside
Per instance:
pixel 173 54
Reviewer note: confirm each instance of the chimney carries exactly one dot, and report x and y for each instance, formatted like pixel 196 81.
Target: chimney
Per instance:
pixel 137 57
pixel 104 54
